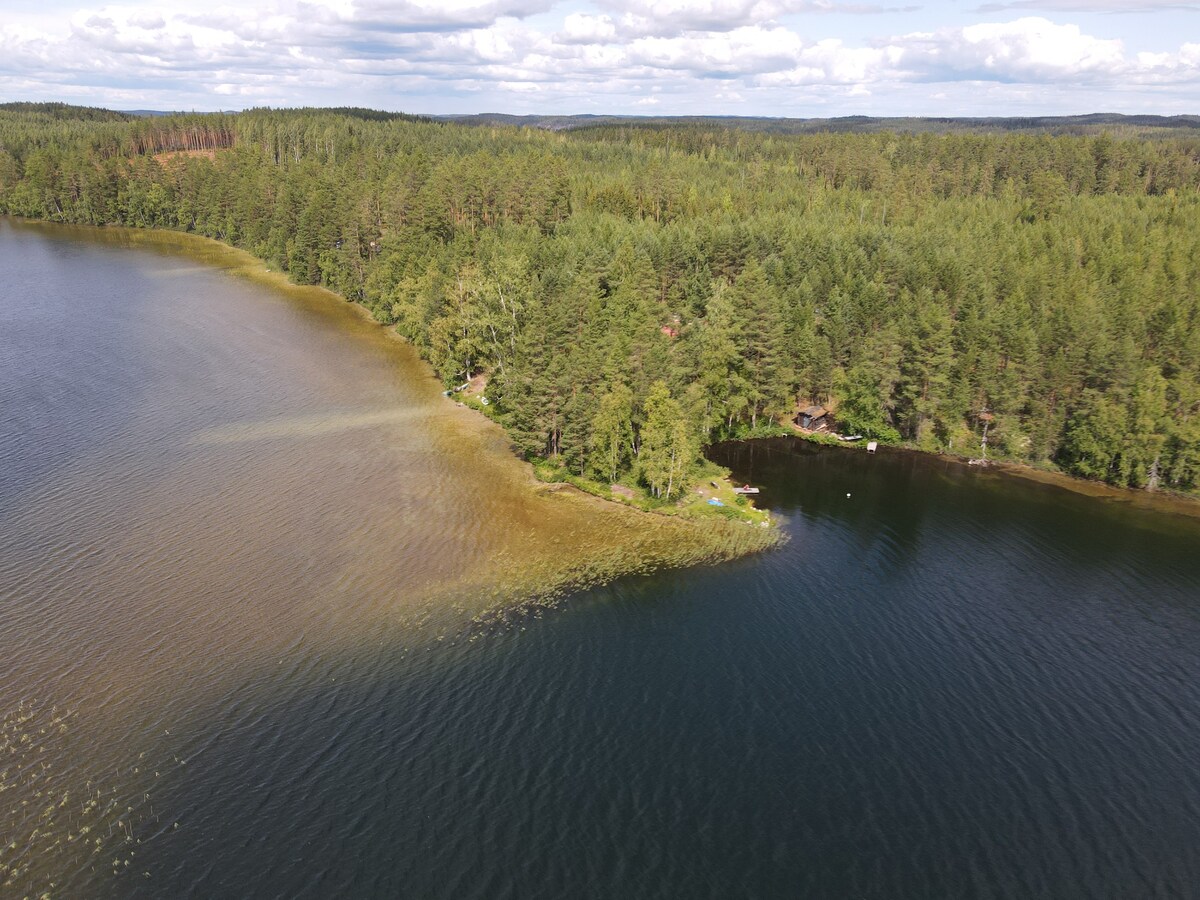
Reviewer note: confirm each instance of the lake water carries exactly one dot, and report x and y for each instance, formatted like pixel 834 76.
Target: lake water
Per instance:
pixel 241 534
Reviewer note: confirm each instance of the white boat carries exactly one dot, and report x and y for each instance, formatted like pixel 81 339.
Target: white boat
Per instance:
pixel 746 490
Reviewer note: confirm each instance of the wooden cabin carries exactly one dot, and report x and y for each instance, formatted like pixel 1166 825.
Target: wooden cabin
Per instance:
pixel 813 418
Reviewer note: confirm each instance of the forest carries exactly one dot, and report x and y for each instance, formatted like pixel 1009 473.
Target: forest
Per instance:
pixel 630 294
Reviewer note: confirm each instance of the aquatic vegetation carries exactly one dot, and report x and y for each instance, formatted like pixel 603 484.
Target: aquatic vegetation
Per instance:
pixel 610 541
pixel 54 822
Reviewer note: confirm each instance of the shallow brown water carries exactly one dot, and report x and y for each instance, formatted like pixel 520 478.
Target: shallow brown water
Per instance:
pixel 253 467
pixel 208 473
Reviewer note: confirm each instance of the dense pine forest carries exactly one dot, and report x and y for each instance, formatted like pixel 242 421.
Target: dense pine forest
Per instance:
pixel 631 294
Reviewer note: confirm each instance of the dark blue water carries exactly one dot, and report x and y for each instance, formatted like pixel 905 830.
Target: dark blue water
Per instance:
pixel 950 683
pixel 945 686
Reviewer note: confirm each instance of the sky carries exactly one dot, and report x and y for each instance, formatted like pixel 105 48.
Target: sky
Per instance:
pixel 801 58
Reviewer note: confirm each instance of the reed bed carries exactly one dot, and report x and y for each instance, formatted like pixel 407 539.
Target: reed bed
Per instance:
pixel 631 542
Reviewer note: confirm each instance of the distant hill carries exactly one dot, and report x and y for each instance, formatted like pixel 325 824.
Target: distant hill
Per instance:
pixel 1083 124
pixel 350 112
pixel 858 124
pixel 66 111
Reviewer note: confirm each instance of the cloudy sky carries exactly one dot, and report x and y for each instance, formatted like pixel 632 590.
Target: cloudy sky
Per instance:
pixel 743 57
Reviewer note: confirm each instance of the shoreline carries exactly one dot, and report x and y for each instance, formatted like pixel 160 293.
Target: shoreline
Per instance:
pixel 605 538
pixel 710 538
pixel 1165 501
pixel 1159 501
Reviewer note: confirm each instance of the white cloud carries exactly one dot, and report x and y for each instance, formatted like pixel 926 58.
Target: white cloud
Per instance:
pixel 831 62
pixel 743 51
pixel 698 55
pixel 581 28
pixel 664 18
pixel 1027 50
pixel 149 20
pixel 1091 6
pixel 440 15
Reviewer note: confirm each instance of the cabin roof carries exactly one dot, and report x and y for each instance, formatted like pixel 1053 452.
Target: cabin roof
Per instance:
pixel 814 412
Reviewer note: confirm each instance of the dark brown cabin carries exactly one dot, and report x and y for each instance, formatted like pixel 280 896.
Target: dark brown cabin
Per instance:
pixel 813 418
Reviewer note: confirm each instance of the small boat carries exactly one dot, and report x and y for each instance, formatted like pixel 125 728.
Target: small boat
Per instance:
pixel 745 489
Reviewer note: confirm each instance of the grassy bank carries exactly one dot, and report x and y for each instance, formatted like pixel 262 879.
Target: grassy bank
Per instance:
pixel 710 496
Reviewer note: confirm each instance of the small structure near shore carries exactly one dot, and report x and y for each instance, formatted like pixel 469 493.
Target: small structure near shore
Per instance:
pixel 813 418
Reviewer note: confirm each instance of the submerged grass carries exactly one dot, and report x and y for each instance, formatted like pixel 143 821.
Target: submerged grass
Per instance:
pixel 52 822
pixel 617 541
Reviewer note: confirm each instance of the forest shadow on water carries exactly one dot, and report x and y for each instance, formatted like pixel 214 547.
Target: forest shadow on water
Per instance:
pixel 261 578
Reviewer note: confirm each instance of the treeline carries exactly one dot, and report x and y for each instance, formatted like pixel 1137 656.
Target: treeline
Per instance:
pixel 631 295
pixel 49 111
pixel 1136 126
pixel 944 166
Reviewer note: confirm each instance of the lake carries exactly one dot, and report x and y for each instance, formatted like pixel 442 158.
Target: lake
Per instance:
pixel 243 540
